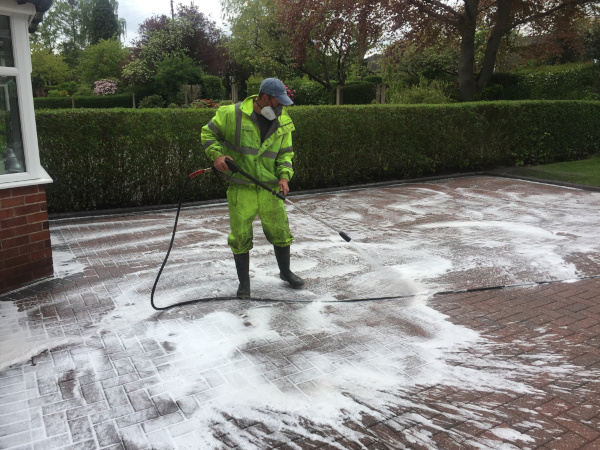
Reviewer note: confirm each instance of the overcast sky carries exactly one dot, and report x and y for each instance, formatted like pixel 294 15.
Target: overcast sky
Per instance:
pixel 136 11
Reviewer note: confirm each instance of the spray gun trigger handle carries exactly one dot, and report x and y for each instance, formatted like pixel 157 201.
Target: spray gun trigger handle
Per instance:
pixel 232 166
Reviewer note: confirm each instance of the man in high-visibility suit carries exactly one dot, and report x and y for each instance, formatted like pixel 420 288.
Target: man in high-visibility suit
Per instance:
pixel 257 135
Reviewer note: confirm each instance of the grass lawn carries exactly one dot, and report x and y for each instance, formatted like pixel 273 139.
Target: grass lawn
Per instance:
pixel 585 172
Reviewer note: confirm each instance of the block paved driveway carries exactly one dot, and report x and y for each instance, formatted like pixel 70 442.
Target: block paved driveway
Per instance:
pixel 483 328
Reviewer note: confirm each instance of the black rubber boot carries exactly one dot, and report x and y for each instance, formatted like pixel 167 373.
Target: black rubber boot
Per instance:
pixel 283 260
pixel 242 265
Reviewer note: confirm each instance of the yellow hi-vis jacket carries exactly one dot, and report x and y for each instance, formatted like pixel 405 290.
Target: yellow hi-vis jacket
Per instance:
pixel 234 132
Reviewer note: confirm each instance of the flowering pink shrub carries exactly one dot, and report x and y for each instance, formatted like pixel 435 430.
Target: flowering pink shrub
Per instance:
pixel 290 93
pixel 105 87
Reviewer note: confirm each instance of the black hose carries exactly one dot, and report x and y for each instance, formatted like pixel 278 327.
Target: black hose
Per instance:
pixel 234 168
pixel 352 300
pixel 187 180
pixel 270 300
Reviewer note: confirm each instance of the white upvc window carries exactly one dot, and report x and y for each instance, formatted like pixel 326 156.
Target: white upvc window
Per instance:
pixel 19 153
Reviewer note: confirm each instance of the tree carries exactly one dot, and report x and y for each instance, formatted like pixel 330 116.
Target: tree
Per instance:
pixel 67 27
pixel 258 42
pixel 47 68
pixel 202 42
pixel 205 45
pixel 102 60
pixel 336 31
pixel 408 63
pixel 173 72
pixel 236 73
pixel 592 42
pixel 104 22
pixel 160 44
pixel 146 28
pixel 558 39
pixel 464 17
pixel 61 30
pixel 87 19
pixel 322 40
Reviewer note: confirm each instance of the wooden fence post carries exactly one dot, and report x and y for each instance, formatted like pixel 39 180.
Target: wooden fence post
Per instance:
pixel 339 95
pixel 234 93
pixel 380 95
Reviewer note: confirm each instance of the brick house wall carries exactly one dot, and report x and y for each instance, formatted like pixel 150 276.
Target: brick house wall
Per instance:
pixel 25 251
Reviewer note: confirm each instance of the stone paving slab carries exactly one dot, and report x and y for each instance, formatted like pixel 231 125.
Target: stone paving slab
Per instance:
pixel 501 368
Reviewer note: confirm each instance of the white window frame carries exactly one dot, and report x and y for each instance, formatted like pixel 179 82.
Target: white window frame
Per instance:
pixel 20 17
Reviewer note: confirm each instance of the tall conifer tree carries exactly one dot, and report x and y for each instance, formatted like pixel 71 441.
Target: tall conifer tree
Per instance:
pixel 104 23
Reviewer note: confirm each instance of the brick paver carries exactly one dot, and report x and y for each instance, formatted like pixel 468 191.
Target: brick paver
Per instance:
pixel 528 377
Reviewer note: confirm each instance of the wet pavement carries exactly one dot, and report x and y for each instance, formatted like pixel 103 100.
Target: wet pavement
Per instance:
pixel 464 313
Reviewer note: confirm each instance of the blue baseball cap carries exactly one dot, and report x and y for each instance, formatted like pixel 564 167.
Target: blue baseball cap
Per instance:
pixel 275 88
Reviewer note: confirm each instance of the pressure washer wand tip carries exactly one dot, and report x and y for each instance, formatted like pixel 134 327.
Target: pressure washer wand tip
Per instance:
pixel 345 236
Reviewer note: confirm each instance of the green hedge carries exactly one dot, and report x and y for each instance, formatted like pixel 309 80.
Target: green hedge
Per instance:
pixel 92 101
pixel 357 144
pixel 357 93
pixel 562 82
pixel 309 92
pixel 121 158
pixel 115 158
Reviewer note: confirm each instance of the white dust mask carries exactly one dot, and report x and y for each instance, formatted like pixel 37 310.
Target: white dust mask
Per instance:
pixel 268 113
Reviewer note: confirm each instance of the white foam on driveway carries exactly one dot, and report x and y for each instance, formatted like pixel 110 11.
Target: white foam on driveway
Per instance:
pixel 427 239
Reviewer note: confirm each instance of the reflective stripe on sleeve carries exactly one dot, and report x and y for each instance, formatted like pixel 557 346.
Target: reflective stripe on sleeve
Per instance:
pixel 208 144
pixel 238 125
pixel 215 130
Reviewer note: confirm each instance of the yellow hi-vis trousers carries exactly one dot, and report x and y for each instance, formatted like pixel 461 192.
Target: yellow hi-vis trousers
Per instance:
pixel 245 203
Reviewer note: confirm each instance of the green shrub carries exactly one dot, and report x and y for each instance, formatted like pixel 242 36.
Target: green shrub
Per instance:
pixel 373 79
pixel 560 82
pixel 126 157
pixel 213 87
pixel 152 101
pixel 309 92
pixel 55 93
pixel 84 91
pixel 357 93
pixel 430 92
pixel 253 85
pixel 70 86
pixel 173 73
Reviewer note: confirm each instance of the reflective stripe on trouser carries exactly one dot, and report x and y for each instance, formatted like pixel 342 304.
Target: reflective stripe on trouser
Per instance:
pixel 245 203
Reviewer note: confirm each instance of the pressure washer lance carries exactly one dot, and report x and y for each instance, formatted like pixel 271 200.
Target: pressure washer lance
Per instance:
pixel 235 168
